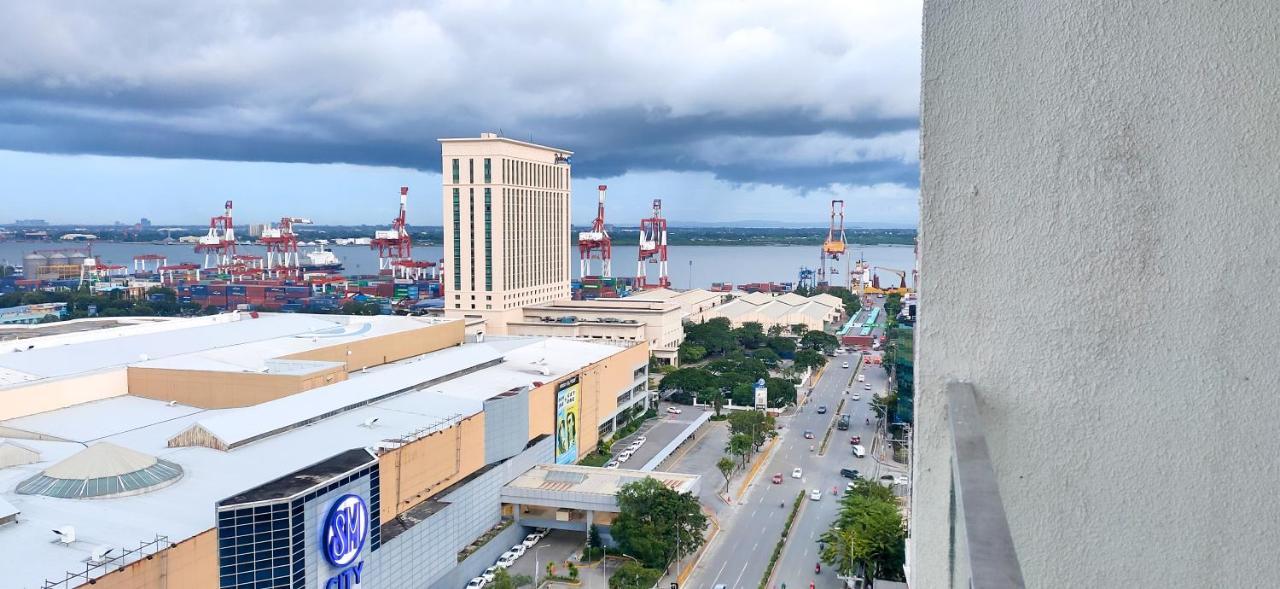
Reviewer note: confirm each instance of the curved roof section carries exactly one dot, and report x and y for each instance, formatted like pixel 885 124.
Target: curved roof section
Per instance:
pixel 103 469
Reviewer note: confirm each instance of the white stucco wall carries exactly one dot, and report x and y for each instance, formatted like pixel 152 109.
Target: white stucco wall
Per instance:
pixel 1100 257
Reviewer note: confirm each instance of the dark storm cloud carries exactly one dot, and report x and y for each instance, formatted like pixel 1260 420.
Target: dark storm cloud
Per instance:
pixel 750 93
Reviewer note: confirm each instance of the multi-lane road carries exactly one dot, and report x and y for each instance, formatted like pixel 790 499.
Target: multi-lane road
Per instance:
pixel 751 526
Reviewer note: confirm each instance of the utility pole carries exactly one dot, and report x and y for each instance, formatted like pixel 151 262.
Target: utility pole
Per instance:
pixel 690 287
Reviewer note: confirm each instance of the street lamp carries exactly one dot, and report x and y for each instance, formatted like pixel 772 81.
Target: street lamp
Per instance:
pixel 536 570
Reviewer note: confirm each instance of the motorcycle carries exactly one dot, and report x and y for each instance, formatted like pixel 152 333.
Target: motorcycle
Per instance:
pixel 817 568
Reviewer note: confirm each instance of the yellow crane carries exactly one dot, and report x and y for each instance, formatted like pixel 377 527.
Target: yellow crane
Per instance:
pixel 901 289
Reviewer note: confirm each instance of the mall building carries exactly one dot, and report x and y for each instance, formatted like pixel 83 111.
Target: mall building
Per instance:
pixel 290 450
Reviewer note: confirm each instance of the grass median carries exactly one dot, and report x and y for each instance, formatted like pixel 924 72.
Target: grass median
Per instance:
pixel 782 541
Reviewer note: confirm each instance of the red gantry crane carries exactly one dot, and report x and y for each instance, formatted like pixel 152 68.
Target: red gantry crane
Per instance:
pixel 653 248
pixel 596 243
pixel 834 247
pixel 282 255
pixel 394 245
pixel 220 242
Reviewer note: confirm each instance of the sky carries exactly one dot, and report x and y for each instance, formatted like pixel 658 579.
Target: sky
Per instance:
pixel 726 110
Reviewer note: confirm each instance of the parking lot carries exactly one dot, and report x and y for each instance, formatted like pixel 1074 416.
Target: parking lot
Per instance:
pixel 658 433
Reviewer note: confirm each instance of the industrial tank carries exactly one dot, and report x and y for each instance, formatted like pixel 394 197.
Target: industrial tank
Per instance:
pixel 77 258
pixel 32 264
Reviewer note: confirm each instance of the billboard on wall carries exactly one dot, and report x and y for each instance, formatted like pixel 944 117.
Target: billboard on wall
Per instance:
pixel 568 418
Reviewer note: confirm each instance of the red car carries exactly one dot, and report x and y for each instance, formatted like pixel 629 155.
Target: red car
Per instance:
pixel 855 440
pixel 777 478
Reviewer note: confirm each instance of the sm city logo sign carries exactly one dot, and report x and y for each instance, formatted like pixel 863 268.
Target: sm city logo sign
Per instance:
pixel 342 539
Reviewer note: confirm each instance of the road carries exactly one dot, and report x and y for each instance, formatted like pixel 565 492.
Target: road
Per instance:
pixel 751 527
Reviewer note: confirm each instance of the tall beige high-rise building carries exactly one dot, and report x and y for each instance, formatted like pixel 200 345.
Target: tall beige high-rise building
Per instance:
pixel 506 227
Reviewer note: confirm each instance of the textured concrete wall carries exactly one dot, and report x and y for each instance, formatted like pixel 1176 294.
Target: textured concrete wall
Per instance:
pixel 1099 257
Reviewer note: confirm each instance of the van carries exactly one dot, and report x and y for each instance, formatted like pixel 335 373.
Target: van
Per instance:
pixel 843 424
pixel 859 451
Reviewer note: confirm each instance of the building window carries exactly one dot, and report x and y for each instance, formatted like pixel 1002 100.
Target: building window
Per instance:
pixel 455 171
pixel 471 171
pixel 488 235
pixel 471 208
pixel 488 171
pixel 457 235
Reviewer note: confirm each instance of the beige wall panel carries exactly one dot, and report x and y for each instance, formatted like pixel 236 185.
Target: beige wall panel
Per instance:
pixel 221 390
pixel 418 470
pixel 190 564
pixel 51 394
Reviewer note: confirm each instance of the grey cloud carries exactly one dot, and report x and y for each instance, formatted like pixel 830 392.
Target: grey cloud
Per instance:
pixel 645 86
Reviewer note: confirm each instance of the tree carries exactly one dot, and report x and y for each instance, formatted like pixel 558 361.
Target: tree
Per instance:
pixel 784 347
pixel 593 537
pixel 868 531
pixel 712 397
pixel 691 352
pixel 634 576
pixel 798 329
pixel 750 335
pixel 656 524
pixel 743 394
pixel 820 341
pixel 776 330
pixel 782 392
pixel 726 467
pixel 892 305
pixel 809 359
pixel 767 356
pixel 689 380
pixel 740 445
pixel 715 335
pixel 757 425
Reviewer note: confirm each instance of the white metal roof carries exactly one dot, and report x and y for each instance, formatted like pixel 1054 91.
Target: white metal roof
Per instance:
pixel 184 508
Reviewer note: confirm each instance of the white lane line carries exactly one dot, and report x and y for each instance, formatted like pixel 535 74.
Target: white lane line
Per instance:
pixel 717 577
pixel 753 512
pixel 738 582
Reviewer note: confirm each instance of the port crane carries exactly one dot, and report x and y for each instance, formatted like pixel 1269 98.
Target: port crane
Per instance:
pixel 901 289
pixel 833 248
pixel 395 245
pixel 596 243
pixel 653 248
pixel 220 242
pixel 282 256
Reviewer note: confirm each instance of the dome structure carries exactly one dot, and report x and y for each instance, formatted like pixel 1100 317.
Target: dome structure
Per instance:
pixel 102 470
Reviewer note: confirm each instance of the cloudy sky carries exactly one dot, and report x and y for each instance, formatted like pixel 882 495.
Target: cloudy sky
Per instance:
pixel 727 110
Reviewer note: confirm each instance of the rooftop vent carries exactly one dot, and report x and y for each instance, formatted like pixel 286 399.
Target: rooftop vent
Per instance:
pixel 102 470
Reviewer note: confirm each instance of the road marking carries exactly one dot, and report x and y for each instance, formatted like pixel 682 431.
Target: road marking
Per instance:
pixel 753 512
pixel 717 577
pixel 738 582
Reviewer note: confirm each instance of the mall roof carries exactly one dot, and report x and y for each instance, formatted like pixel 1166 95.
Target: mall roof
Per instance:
pixel 235 341
pixel 567 478
pixel 183 508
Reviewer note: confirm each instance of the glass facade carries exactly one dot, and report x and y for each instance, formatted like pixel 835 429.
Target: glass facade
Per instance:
pixel 456 174
pixel 488 232
pixel 260 546
pixel 488 171
pixel 457 237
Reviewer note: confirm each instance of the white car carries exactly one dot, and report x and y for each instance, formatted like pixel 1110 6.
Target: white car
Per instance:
pixel 844 365
pixel 859 451
pixel 611 464
pixel 857 396
pixel 796 473
pixel 530 540
pixel 641 440
pixel 901 479
pixel 476 583
pixel 623 457
pixel 862 378
pixel 507 559
pixel 518 550
pixel 815 495
pixel 866 386
pixel 489 574
pixel 673 411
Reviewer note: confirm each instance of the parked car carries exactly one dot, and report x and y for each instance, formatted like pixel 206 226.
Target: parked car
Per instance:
pixel 815 495
pixel 822 409
pixel 530 540
pixel 476 583
pixel 507 559
pixel 849 473
pixel 796 473
pixel 859 451
pixel 518 550
pixel 777 478
pixel 623 457
pixel 808 434
pixel 855 439
pixel 641 440
pixel 673 411
pixel 489 574
pixel 611 464
pixel 901 479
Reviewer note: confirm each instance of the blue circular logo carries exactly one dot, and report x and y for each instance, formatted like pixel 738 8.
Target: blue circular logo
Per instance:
pixel 345 530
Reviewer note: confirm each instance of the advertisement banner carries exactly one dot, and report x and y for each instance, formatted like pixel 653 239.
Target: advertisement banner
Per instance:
pixel 568 418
